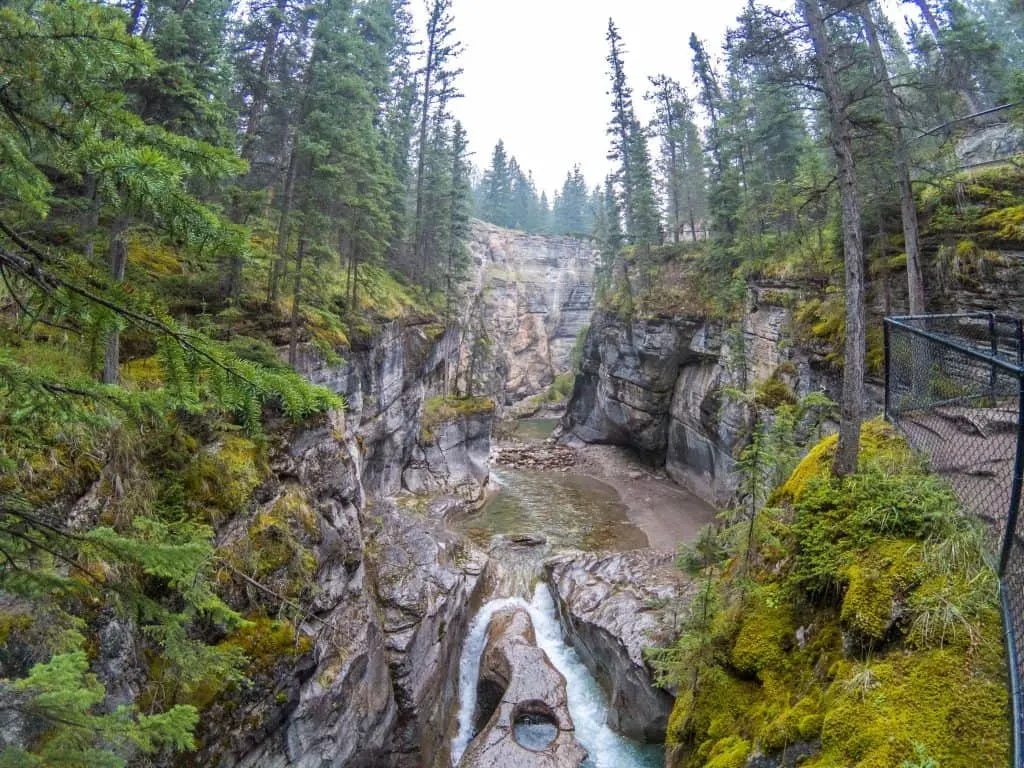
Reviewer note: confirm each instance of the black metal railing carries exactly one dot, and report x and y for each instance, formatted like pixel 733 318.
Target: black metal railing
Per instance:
pixel 954 384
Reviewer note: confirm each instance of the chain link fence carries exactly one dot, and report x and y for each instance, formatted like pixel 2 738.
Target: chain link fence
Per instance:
pixel 954 384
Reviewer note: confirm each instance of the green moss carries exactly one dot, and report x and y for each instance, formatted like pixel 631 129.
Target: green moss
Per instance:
pixel 718 708
pixel 879 442
pixel 144 373
pixel 149 252
pixel 876 582
pixel 268 642
pixel 14 622
pixel 765 634
pixel 869 621
pixel 279 546
pixel 219 483
pixel 932 697
pixel 560 388
pixel 730 752
pixel 800 722
pixel 440 410
pixel 773 392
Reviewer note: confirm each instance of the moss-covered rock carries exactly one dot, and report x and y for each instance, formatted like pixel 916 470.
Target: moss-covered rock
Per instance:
pixel 877 584
pixel 279 545
pixel 864 626
pixel 219 482
pixel 439 410
pixel 766 632
pixel 876 711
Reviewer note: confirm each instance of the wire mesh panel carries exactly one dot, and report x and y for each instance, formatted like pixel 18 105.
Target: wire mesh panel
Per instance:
pixel 954 387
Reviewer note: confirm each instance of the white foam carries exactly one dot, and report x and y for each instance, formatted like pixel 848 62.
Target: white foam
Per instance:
pixel 587 703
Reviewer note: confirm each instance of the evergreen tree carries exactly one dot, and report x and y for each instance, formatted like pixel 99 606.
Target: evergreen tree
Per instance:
pixel 629 150
pixel 569 216
pixel 438 89
pixel 73 72
pixel 543 224
pixel 497 186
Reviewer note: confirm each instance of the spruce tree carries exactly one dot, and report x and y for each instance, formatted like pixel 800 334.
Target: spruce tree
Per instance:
pixel 497 196
pixel 629 151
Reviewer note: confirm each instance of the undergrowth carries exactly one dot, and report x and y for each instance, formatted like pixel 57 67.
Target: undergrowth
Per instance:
pixel 861 624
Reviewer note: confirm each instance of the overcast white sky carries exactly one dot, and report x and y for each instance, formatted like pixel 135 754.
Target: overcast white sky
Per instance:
pixel 535 73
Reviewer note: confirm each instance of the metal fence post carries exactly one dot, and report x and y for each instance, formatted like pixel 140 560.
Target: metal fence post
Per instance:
pixel 1010 633
pixel 1015 489
pixel 886 336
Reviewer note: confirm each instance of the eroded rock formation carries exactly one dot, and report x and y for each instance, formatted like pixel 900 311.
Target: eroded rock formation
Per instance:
pixel 656 385
pixel 519 688
pixel 612 607
pixel 370 679
pixel 530 297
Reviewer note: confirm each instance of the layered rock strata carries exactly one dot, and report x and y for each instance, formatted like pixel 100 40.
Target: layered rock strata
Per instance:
pixel 530 296
pixel 611 608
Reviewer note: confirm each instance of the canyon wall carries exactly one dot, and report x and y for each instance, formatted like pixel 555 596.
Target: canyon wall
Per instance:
pixel 528 298
pixel 374 683
pixel 655 384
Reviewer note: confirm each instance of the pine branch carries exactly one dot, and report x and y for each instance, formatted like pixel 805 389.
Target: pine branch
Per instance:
pixel 25 267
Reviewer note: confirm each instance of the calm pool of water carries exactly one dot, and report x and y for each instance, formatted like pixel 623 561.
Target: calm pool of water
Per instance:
pixel 570 510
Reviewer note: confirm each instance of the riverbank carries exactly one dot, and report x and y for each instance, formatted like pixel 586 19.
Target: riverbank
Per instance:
pixel 665 512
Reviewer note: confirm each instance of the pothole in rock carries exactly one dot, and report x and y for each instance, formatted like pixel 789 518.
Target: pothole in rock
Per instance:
pixel 534 726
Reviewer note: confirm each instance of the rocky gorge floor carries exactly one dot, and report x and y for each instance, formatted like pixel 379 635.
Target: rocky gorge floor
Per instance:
pixel 610 603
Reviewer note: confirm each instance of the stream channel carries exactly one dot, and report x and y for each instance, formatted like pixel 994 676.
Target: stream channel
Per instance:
pixel 554 510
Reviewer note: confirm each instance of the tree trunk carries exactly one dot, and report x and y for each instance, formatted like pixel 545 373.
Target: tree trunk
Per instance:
pixel 883 255
pixel 293 342
pixel 851 404
pixel 282 228
pixel 673 171
pixel 118 262
pixel 91 215
pixel 908 209
pixel 419 257
pixel 133 17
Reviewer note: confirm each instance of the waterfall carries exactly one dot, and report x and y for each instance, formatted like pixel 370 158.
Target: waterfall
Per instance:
pixel 587 703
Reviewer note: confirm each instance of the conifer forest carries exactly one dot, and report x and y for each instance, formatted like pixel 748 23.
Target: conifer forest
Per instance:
pixel 336 432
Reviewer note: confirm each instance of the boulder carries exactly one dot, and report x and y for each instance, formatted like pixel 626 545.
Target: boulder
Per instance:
pixel 522 710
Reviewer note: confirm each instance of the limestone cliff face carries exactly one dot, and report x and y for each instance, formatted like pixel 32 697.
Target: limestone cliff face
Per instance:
pixel 374 682
pixel 655 385
pixel 386 381
pixel 528 298
pixel 370 681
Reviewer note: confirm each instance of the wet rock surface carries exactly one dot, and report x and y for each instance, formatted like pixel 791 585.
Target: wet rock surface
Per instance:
pixel 520 692
pixel 612 607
